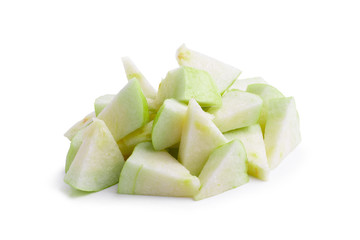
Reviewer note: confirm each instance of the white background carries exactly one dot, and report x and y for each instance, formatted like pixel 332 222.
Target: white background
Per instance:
pixel 56 57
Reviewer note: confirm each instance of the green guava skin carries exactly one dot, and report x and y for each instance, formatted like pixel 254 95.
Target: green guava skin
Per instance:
pixel 127 112
pixel 266 92
pixel 185 83
pixel 168 124
pixel 253 141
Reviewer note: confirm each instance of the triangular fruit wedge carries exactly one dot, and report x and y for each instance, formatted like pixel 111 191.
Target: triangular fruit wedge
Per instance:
pixel 128 143
pixel 133 72
pixel 242 84
pixel 98 162
pixel 185 83
pixel 239 109
pixel 79 125
pixel 101 102
pixel 253 141
pixel 127 112
pixel 266 92
pixel 226 169
pixel 150 172
pixel 223 74
pixel 168 124
pixel 282 133
pixel 199 138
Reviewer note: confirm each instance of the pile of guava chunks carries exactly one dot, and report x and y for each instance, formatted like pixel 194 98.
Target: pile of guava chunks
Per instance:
pixel 203 132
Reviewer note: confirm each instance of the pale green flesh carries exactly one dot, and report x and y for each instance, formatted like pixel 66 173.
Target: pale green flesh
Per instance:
pixel 223 74
pixel 253 141
pixel 98 162
pixel 79 125
pixel 128 176
pixel 127 112
pixel 74 148
pixel 128 143
pixel 185 83
pixel 150 172
pixel 226 169
pixel 133 72
pixel 239 109
pixel 229 129
pixel 101 102
pixel 168 124
pixel 199 137
pixel 266 92
pixel 152 105
pixel 282 133
pixel 242 84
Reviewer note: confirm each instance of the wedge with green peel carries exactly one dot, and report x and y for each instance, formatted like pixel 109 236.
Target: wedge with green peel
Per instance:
pixel 74 148
pixel 133 72
pixel 242 84
pixel 185 83
pixel 98 162
pixel 223 74
pixel 199 138
pixel 253 141
pixel 101 102
pixel 266 92
pixel 226 169
pixel 127 112
pixel 128 143
pixel 239 109
pixel 150 172
pixel 282 130
pixel 79 125
pixel 168 124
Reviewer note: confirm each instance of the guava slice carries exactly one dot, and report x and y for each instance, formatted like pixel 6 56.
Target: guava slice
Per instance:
pixel 266 92
pixel 223 74
pixel 185 83
pixel 79 125
pixel 253 141
pixel 98 161
pixel 239 109
pixel 282 130
pixel 133 72
pixel 150 172
pixel 199 138
pixel 168 124
pixel 127 111
pixel 101 102
pixel 225 169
